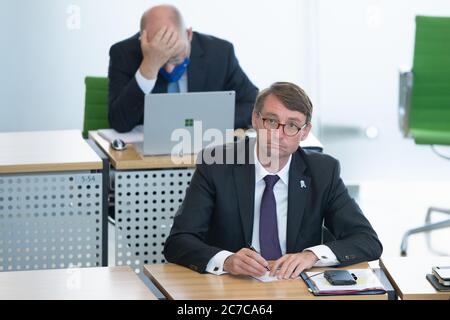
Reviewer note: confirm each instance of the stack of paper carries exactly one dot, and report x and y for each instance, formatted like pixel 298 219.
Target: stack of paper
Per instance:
pixel 134 136
pixel 366 283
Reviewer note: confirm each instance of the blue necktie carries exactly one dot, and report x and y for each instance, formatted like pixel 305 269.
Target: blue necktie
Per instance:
pixel 173 87
pixel 268 227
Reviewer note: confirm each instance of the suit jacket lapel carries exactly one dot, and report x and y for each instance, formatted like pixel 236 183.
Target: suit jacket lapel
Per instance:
pixel 298 196
pixel 244 179
pixel 197 67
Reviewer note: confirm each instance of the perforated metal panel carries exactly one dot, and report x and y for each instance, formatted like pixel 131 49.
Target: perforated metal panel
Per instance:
pixel 50 221
pixel 146 202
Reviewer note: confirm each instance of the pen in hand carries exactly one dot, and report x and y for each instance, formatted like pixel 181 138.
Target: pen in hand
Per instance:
pixel 253 249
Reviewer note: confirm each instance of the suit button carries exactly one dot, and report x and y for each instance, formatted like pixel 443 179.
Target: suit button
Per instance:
pixel 349 257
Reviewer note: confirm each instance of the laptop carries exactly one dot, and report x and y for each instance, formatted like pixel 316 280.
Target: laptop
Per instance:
pixel 185 123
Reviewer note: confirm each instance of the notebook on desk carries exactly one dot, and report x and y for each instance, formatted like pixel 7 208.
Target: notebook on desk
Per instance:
pixel 134 136
pixel 181 124
pixel 185 123
pixel 366 283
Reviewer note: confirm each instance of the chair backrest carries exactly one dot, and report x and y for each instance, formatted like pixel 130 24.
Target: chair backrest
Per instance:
pixel 429 117
pixel 96 104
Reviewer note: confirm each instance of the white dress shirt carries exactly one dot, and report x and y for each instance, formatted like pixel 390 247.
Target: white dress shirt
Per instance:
pixel 147 85
pixel 280 190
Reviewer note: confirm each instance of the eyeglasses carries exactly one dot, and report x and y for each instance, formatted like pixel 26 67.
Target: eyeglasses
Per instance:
pixel 290 129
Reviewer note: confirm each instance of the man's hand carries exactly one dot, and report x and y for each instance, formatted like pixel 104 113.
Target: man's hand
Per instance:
pixel 291 265
pixel 157 51
pixel 246 262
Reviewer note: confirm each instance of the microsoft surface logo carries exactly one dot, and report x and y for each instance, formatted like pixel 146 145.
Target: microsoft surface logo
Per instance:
pixel 189 122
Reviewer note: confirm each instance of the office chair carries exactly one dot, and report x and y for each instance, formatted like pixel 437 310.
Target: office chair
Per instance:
pixel 96 104
pixel 424 100
pixel 96 117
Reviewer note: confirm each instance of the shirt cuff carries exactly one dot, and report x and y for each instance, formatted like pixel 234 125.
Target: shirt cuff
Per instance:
pixel 215 265
pixel 145 84
pixel 326 257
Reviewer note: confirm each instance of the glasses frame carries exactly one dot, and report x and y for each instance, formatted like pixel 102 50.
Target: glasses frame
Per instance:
pixel 264 120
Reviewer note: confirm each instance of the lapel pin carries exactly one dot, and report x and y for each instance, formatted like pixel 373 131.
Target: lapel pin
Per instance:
pixel 302 184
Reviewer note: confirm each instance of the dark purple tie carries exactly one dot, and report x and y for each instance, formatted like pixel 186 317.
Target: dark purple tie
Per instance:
pixel 268 227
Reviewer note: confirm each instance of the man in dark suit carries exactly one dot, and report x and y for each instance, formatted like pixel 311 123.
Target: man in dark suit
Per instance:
pixel 270 202
pixel 167 57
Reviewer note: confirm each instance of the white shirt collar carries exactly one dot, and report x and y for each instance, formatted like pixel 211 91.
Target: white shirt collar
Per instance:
pixel 261 172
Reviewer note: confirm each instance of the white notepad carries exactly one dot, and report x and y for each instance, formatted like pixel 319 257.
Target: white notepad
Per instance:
pixel 266 278
pixel 134 136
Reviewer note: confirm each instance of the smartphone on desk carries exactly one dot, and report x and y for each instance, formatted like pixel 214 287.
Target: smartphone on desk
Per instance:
pixel 442 274
pixel 339 277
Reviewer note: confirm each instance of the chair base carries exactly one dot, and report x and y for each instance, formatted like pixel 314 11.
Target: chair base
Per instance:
pixel 425 228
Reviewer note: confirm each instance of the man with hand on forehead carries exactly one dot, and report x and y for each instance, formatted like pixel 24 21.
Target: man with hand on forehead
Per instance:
pixel 167 57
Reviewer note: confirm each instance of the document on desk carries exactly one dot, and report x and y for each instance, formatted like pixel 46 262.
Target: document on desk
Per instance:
pixel 134 136
pixel 366 283
pixel 266 278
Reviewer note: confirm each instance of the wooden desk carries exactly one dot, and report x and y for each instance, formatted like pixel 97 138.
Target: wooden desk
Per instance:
pixel 147 193
pixel 180 283
pixel 407 275
pixel 131 159
pixel 51 202
pixel 46 151
pixel 113 283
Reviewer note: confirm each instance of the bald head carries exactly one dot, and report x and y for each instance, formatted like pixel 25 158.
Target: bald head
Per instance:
pixel 167 17
pixel 160 16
